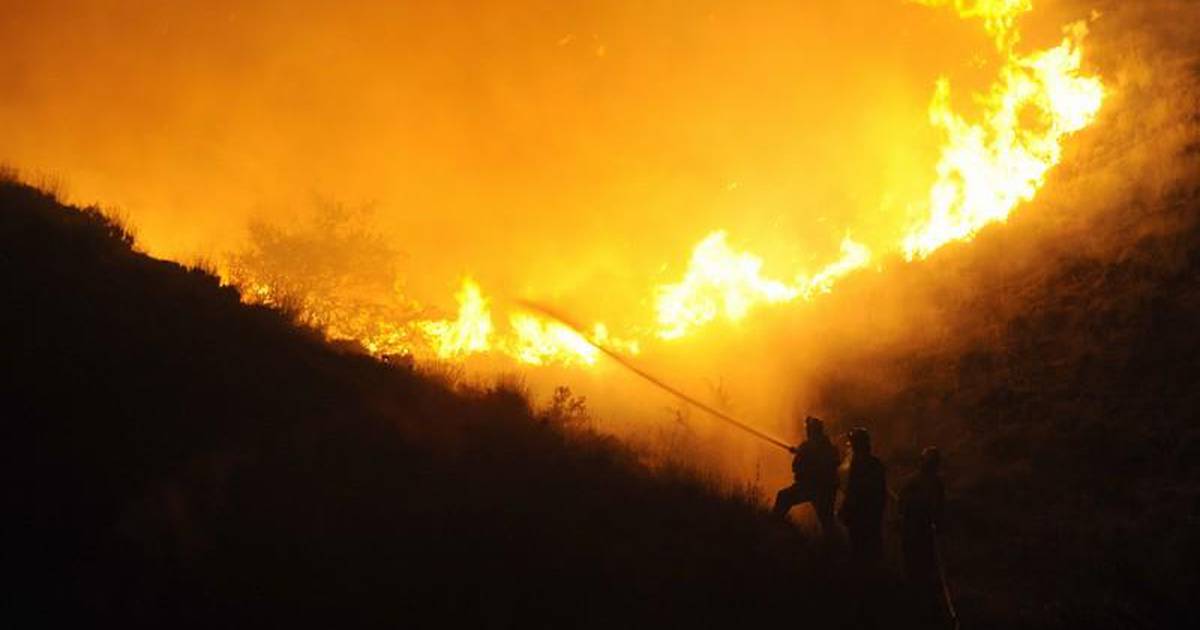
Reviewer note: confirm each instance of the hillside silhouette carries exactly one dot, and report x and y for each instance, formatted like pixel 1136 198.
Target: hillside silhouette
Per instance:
pixel 173 455
pixel 177 456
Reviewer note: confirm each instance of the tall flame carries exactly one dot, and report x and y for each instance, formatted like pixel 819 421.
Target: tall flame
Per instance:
pixel 987 168
pixel 470 333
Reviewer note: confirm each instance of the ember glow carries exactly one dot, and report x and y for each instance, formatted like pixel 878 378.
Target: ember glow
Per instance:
pixel 608 159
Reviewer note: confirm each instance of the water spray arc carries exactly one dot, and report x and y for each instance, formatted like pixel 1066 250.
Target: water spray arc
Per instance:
pixel 716 413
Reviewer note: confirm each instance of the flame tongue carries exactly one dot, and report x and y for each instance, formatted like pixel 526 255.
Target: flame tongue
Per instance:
pixel 719 282
pixel 470 333
pixel 987 168
pixel 723 283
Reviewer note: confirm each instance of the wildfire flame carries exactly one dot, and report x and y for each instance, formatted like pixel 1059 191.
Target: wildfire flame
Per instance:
pixel 539 342
pixel 985 169
pixel 719 282
pixel 989 167
pixel 470 333
pixel 532 339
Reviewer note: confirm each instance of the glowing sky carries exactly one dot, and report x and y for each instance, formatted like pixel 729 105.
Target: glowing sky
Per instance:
pixel 502 139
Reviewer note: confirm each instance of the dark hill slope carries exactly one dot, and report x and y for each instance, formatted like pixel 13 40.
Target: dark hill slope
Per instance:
pixel 172 455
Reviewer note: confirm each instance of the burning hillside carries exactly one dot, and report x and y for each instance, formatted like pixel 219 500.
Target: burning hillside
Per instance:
pixel 990 161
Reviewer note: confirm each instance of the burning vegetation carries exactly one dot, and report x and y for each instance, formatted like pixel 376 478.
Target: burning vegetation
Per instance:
pixel 989 163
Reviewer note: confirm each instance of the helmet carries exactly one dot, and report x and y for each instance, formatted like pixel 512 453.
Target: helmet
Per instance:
pixel 931 459
pixel 813 426
pixel 860 439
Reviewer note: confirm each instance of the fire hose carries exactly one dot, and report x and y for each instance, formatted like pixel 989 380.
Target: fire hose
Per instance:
pixel 627 364
pixel 542 310
pixel 716 413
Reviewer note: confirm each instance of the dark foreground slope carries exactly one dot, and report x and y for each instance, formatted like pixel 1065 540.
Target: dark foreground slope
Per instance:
pixel 172 455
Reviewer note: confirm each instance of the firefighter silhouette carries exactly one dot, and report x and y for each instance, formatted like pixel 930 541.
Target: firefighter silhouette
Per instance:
pixel 814 471
pixel 865 496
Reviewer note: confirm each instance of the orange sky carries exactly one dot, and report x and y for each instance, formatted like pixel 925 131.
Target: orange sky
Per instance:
pixel 541 146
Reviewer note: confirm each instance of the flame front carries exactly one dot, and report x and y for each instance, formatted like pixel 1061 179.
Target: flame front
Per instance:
pixel 723 283
pixel 530 339
pixel 719 282
pixel 986 167
pixel 469 334
pixel 985 170
pixel 539 342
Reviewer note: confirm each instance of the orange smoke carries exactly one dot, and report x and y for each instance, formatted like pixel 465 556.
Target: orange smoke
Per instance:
pixel 557 151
